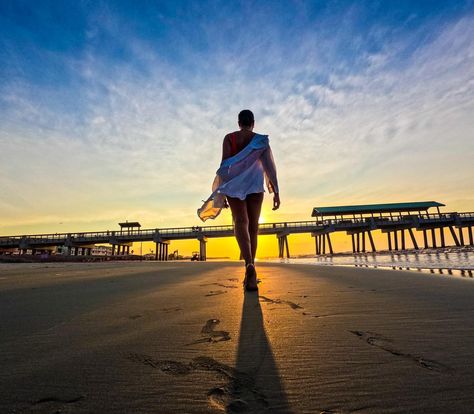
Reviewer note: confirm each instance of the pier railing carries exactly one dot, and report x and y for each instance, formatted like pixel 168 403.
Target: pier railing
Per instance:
pixel 349 224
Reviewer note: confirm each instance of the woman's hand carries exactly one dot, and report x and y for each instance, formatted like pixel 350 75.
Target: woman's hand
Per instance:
pixel 276 201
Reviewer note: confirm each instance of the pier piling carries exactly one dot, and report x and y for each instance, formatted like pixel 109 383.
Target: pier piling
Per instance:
pixel 283 246
pixel 329 244
pixel 441 234
pixel 202 249
pixel 413 239
pixel 453 234
pixel 372 244
pixel 433 237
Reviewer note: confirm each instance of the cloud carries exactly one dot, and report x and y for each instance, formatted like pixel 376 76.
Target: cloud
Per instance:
pixel 141 136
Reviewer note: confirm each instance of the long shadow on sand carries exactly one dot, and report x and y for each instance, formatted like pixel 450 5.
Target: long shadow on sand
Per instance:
pixel 256 360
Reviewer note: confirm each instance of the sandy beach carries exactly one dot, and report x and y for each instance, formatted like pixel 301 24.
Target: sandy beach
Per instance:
pixel 184 338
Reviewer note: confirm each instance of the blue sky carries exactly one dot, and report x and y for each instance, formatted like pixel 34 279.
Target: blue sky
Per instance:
pixel 117 110
pixel 39 41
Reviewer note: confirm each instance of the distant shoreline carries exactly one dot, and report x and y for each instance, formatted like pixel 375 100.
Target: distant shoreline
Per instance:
pixel 72 258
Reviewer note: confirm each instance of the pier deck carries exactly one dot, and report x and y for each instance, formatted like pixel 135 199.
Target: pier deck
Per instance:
pixel 358 227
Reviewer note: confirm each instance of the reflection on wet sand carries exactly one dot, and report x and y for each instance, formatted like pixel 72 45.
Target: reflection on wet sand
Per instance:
pixel 451 262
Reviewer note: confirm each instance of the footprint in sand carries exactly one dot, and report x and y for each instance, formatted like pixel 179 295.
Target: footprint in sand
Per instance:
pixel 379 341
pixel 54 403
pixel 172 309
pixel 292 305
pixel 219 284
pixel 167 366
pixel 325 315
pixel 239 393
pixel 210 335
pixel 215 292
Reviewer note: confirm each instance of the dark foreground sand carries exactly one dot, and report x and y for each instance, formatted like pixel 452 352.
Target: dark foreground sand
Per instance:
pixel 183 338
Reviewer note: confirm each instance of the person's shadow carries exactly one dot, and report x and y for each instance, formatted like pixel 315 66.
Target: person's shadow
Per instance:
pixel 258 387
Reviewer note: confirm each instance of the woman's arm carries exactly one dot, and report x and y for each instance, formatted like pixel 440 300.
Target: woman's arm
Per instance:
pixel 269 167
pixel 271 176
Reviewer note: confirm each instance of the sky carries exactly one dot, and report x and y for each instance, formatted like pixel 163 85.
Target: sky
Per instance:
pixel 116 110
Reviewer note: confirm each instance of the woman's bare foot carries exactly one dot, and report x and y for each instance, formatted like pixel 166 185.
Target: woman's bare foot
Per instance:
pixel 250 281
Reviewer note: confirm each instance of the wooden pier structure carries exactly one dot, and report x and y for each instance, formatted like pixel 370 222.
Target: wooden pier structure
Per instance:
pixel 399 221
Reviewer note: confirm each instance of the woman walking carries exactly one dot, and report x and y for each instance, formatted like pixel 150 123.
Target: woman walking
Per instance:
pixel 247 162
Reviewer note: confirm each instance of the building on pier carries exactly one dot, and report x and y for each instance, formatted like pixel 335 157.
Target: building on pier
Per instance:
pixel 397 220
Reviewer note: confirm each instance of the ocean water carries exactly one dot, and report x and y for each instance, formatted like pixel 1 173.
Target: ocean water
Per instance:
pixel 450 262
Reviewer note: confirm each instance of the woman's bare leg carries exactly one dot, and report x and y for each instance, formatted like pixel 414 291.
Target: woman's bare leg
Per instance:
pixel 254 206
pixel 241 227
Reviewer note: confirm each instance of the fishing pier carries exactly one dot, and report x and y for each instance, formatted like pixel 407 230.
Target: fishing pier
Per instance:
pixel 399 221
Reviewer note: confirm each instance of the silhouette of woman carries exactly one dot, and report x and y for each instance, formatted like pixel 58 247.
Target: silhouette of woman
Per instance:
pixel 247 161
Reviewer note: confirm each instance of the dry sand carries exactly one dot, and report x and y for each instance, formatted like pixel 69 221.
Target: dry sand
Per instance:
pixel 184 338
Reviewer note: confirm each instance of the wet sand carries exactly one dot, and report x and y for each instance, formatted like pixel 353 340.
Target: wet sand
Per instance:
pixel 184 338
